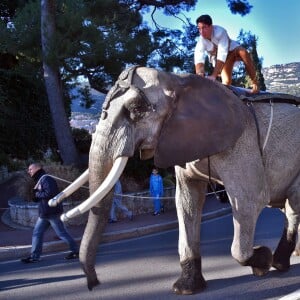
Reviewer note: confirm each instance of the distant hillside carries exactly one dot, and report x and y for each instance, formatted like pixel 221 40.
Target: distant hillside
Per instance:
pixel 82 117
pixel 283 78
pixel 77 105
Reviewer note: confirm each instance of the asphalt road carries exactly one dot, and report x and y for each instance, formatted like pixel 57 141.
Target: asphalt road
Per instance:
pixel 147 267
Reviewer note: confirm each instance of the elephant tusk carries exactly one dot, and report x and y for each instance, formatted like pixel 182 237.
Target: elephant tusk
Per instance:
pixel 101 192
pixel 83 178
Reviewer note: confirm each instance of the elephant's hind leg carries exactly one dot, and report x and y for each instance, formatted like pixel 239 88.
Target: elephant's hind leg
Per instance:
pixel 260 261
pixel 259 258
pixel 297 248
pixel 287 244
pixel 282 254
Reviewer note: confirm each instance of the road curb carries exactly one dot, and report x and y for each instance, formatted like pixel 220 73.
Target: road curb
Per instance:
pixel 15 252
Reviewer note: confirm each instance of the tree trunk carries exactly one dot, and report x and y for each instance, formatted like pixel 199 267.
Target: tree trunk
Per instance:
pixel 52 79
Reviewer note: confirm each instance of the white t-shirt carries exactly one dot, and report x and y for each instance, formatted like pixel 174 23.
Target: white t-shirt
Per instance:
pixel 216 48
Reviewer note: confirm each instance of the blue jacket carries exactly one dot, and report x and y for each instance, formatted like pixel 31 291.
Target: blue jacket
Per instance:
pixel 156 186
pixel 45 189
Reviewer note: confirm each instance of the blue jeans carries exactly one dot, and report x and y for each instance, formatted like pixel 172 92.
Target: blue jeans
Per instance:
pixel 157 204
pixel 118 204
pixel 40 228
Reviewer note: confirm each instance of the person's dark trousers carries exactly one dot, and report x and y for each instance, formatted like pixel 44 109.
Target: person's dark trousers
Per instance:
pixel 40 228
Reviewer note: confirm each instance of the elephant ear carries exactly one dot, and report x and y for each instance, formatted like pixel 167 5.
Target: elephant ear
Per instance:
pixel 207 119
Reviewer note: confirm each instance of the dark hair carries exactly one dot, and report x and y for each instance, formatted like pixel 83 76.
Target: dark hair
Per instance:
pixel 206 19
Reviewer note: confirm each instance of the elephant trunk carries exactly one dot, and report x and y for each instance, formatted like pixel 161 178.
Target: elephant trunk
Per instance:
pixel 91 238
pixel 111 146
pixel 97 220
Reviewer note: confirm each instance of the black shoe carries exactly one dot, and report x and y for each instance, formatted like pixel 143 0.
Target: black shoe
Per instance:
pixel 130 216
pixel 156 213
pixel 112 221
pixel 30 260
pixel 72 255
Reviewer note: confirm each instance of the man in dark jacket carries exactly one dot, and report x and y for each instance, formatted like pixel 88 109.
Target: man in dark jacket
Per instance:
pixel 45 189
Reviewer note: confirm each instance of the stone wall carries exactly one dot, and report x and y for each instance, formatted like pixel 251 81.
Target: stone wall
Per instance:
pixel 3 173
pixel 26 213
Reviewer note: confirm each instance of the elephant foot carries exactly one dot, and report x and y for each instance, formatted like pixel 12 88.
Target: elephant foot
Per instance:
pixel 260 261
pixel 91 277
pixel 191 279
pixel 285 248
pixel 91 283
pixel 297 251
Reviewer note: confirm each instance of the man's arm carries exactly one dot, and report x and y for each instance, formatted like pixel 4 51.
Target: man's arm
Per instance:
pixel 222 42
pixel 217 70
pixel 199 68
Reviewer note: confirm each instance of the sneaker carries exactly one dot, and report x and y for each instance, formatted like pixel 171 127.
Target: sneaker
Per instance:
pixel 156 213
pixel 72 255
pixel 30 260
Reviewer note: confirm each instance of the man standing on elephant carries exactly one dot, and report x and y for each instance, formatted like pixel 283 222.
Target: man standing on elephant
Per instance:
pixel 45 189
pixel 223 53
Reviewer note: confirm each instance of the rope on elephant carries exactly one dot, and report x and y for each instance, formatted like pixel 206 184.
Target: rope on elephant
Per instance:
pixel 270 125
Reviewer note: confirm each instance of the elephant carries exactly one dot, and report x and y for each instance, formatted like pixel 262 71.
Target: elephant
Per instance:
pixel 208 132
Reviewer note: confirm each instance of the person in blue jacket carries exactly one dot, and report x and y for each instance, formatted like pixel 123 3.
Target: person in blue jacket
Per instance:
pixel 45 189
pixel 156 191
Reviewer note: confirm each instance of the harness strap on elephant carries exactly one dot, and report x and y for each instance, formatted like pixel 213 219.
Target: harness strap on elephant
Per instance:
pixel 263 97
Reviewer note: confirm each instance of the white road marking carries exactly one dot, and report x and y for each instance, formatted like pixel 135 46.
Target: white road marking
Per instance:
pixel 293 296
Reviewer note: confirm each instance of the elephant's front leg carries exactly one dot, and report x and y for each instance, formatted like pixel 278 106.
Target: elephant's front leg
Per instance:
pixel 190 197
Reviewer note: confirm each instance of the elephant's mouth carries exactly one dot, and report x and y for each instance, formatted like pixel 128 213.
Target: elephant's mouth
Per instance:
pixel 146 153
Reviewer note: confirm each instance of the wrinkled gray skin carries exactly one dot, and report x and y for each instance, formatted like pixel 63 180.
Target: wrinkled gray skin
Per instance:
pixel 175 127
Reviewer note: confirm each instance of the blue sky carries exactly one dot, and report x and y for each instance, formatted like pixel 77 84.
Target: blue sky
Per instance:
pixel 276 23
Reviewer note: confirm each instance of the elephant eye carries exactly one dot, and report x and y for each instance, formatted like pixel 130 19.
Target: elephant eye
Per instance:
pixel 137 104
pixel 136 110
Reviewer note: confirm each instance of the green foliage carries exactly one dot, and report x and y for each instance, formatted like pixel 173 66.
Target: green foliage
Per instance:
pixel 138 169
pixel 241 7
pixel 169 180
pixel 82 140
pixel 8 8
pixel 4 158
pixel 25 127
pixel 99 39
pixel 86 97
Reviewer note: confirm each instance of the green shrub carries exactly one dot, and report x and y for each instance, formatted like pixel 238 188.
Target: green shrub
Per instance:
pixel 82 139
